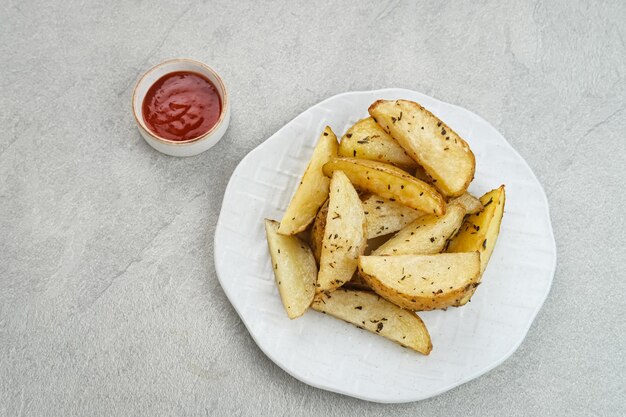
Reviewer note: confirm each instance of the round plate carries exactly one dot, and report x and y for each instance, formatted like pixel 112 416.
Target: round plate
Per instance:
pixel 327 353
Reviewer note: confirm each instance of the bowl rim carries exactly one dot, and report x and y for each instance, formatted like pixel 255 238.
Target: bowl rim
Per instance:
pixel 223 96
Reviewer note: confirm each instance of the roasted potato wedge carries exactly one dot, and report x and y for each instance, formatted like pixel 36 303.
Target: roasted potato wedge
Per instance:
pixel 294 269
pixel 368 311
pixel 344 235
pixel 445 156
pixel 313 188
pixel 426 235
pixel 422 282
pixel 367 140
pixel 471 204
pixel 479 232
pixel 390 182
pixel 385 216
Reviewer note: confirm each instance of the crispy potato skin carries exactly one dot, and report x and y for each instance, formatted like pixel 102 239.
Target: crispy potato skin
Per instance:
pixel 313 188
pixel 422 282
pixel 390 182
pixel 344 235
pixel 294 269
pixel 445 156
pixel 479 232
pixel 368 311
pixel 367 140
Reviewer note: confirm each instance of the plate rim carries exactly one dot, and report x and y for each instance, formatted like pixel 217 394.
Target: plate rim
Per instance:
pixel 405 399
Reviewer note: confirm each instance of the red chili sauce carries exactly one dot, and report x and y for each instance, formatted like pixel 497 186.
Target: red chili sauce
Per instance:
pixel 181 105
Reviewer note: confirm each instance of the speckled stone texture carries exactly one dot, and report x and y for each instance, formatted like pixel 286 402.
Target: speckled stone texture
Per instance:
pixel 109 303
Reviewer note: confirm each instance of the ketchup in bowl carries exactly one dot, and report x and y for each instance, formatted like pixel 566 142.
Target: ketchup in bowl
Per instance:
pixel 181 106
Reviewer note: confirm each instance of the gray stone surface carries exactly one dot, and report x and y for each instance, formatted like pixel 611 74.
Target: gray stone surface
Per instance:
pixel 109 303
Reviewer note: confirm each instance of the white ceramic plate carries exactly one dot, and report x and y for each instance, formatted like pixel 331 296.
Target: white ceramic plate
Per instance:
pixel 330 354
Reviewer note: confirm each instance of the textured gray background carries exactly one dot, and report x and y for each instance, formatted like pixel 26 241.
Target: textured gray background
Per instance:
pixel 109 303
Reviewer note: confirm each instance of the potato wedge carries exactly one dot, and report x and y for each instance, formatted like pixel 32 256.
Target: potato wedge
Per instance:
pixel 471 204
pixel 390 182
pixel 422 282
pixel 385 216
pixel 426 235
pixel 313 188
pixel 445 156
pixel 367 140
pixel 368 311
pixel 480 232
pixel 317 232
pixel 294 269
pixel 344 236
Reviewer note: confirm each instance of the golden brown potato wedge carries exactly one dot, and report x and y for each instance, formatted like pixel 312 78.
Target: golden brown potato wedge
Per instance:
pixel 390 182
pixel 471 204
pixel 367 140
pixel 426 235
pixel 422 282
pixel 294 269
pixel 313 188
pixel 317 231
pixel 344 235
pixel 368 311
pixel 445 156
pixel 479 232
pixel 385 216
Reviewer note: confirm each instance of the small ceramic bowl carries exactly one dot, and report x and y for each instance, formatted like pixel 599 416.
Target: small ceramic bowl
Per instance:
pixel 192 146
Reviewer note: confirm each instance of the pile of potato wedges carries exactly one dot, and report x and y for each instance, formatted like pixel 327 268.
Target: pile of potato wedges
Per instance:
pixel 382 226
